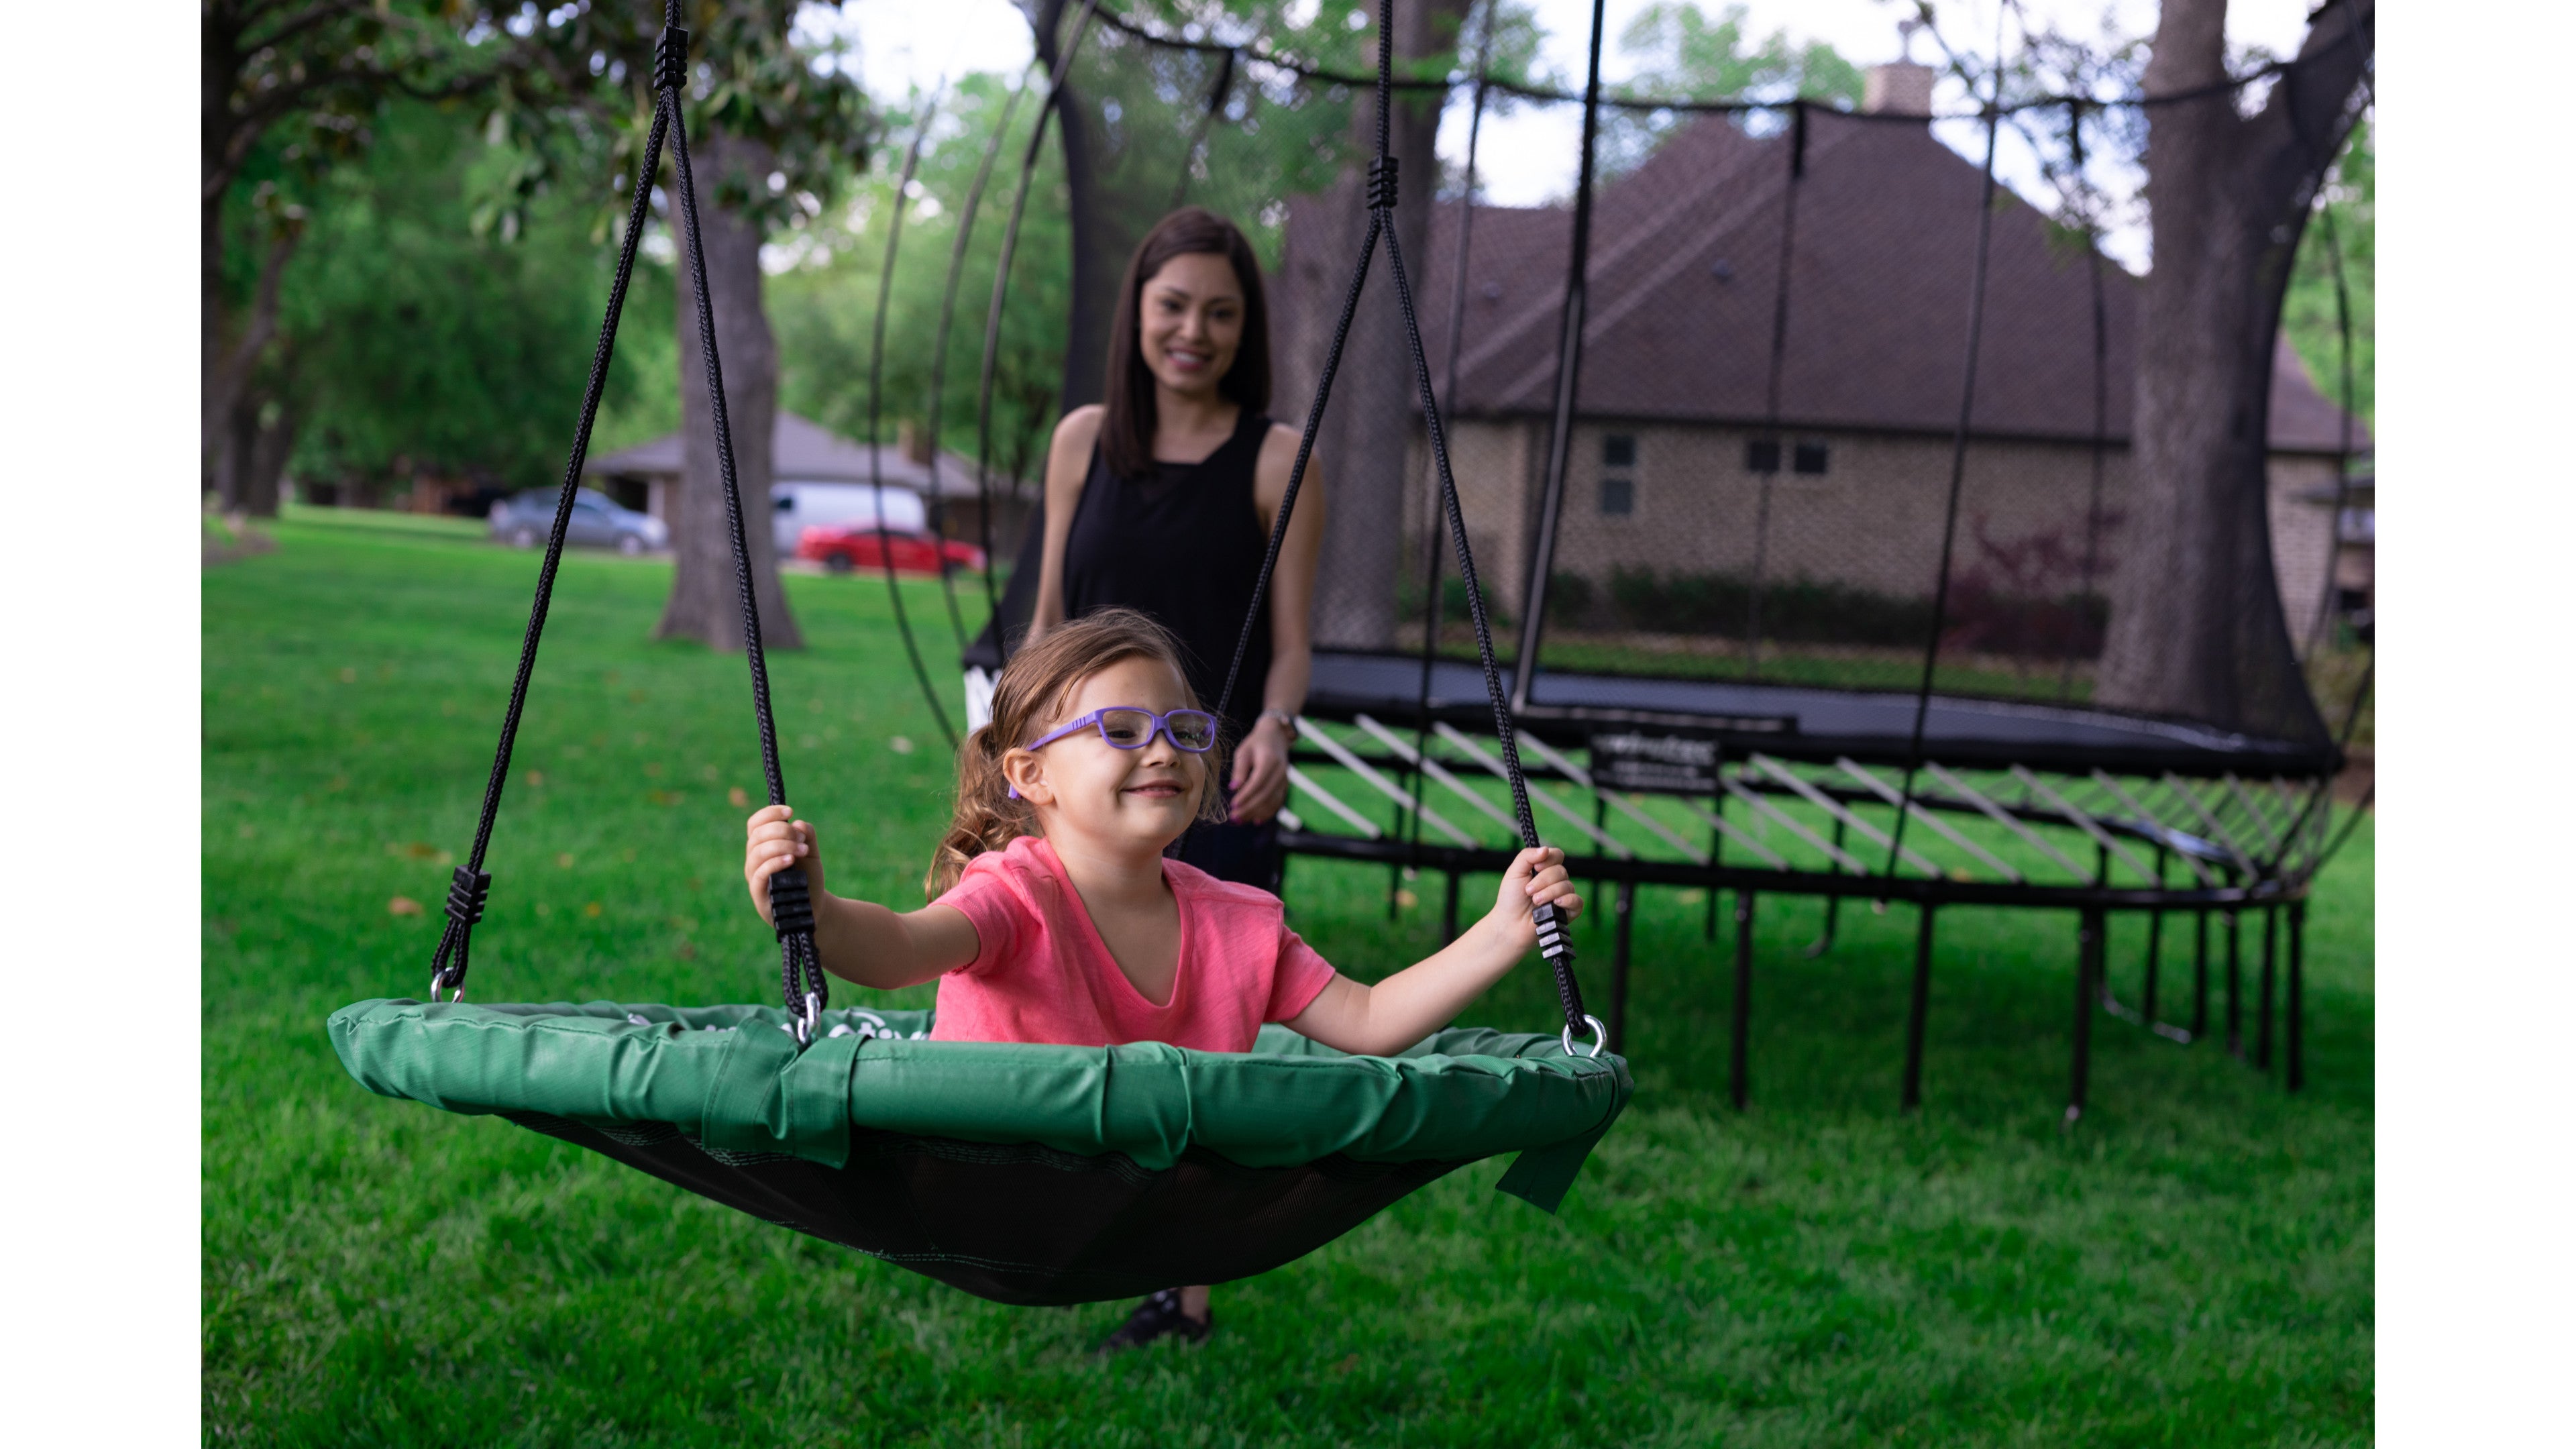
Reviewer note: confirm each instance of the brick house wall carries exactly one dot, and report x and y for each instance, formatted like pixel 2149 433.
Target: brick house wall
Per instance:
pixel 1871 518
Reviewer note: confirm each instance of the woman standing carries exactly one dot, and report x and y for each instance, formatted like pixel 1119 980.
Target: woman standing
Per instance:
pixel 1162 499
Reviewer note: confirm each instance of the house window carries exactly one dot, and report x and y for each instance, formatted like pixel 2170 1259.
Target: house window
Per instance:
pixel 1762 455
pixel 1619 450
pixel 1810 457
pixel 1618 496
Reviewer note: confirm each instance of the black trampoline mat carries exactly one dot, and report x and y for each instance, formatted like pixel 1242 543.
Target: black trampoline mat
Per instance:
pixel 1806 722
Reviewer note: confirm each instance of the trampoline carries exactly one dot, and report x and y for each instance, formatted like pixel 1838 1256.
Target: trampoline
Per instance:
pixel 1813 723
pixel 1799 447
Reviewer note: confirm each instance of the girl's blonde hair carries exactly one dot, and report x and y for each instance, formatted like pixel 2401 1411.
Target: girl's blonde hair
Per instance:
pixel 1031 692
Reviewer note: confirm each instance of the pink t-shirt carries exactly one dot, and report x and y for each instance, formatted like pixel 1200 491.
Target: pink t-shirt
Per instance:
pixel 1042 974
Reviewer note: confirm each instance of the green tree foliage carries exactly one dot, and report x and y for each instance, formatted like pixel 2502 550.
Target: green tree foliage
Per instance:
pixel 291 91
pixel 2344 228
pixel 1682 51
pixel 825 298
pixel 416 341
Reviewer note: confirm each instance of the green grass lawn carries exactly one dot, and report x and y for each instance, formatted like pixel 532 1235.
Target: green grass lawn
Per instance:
pixel 2190 1265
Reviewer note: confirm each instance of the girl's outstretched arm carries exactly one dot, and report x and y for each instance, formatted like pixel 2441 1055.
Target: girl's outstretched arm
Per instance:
pixel 1424 997
pixel 857 940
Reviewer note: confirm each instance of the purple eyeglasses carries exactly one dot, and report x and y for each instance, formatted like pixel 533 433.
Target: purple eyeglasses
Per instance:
pixel 1128 728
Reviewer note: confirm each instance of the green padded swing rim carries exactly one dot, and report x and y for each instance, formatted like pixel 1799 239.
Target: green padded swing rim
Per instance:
pixel 734 1077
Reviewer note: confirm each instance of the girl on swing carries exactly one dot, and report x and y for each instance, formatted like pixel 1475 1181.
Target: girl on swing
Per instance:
pixel 1058 916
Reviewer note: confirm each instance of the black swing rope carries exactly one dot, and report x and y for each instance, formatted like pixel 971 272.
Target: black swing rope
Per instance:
pixel 802 981
pixel 1553 944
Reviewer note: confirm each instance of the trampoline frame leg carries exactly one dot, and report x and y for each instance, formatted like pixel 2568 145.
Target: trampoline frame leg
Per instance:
pixel 2155 951
pixel 1918 1011
pixel 1627 909
pixel 1833 909
pixel 1449 912
pixel 2296 1074
pixel 2199 975
pixel 2087 963
pixel 1716 857
pixel 2235 986
pixel 1600 821
pixel 1738 1069
pixel 2263 994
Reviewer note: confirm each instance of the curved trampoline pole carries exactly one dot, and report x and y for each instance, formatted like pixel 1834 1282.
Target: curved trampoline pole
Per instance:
pixel 1217 94
pixel 1002 286
pixel 2343 440
pixel 2101 441
pixel 1569 369
pixel 1771 394
pixel 939 364
pixel 1958 476
pixel 1433 524
pixel 876 444
pixel 2324 786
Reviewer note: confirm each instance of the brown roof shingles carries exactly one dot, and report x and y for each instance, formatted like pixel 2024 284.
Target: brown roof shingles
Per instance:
pixel 1683 273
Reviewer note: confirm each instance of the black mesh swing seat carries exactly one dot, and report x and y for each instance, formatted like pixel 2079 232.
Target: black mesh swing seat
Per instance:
pixel 1023 1173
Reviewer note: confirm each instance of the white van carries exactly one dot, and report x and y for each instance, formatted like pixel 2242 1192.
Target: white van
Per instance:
pixel 796 507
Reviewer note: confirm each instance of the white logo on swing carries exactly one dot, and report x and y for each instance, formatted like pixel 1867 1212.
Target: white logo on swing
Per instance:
pixel 870 1024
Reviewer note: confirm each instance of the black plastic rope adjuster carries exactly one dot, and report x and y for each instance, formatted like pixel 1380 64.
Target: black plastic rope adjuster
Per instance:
pixel 671 59
pixel 467 892
pixel 1381 184
pixel 791 903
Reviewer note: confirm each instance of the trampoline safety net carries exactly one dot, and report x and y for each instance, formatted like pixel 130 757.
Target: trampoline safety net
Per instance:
pixel 1848 408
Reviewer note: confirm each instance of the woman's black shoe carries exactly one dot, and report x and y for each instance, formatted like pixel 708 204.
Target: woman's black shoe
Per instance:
pixel 1159 1316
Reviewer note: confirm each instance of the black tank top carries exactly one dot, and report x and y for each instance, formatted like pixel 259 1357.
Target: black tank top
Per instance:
pixel 1184 545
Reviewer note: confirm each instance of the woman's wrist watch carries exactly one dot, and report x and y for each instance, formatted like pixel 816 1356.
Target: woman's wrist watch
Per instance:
pixel 1285 720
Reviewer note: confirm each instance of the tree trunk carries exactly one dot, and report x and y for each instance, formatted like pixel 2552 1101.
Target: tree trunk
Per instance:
pixel 1363 445
pixel 210 303
pixel 220 61
pixel 1099 262
pixel 268 437
pixel 705 602
pixel 2197 627
pixel 1099 244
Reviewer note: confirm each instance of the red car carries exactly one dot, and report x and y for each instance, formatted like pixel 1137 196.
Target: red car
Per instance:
pixel 841 549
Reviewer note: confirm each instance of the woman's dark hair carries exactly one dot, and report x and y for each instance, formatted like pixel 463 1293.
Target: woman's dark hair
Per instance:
pixel 1127 433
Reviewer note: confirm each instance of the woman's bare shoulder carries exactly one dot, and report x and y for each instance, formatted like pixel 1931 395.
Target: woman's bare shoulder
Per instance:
pixel 1080 427
pixel 1279 454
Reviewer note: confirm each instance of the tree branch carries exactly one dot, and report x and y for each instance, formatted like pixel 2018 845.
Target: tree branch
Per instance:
pixel 294 25
pixel 2310 111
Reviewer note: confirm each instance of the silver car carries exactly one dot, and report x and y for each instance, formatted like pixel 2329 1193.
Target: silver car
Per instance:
pixel 523 520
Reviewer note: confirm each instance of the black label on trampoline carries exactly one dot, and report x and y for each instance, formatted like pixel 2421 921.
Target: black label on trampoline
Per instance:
pixel 1661 763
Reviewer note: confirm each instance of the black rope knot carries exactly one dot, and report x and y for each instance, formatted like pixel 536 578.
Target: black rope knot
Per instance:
pixel 467 890
pixel 1381 184
pixel 671 60
pixel 791 904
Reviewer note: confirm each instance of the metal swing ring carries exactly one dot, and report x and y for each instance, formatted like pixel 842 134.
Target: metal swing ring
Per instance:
pixel 812 1019
pixel 1600 1037
pixel 437 980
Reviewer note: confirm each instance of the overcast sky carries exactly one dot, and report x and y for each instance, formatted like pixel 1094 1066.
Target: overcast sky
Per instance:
pixel 1529 158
